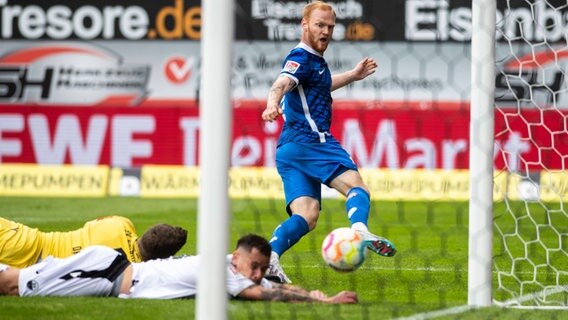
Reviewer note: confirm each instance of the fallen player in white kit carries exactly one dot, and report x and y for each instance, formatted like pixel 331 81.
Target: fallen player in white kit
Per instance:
pixel 101 271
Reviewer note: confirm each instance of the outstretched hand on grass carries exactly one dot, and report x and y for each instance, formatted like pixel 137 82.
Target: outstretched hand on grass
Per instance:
pixel 344 297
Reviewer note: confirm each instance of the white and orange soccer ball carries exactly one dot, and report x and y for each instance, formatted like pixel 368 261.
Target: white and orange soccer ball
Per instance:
pixel 344 250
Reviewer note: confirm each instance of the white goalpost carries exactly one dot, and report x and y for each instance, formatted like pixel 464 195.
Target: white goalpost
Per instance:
pixel 481 153
pixel 518 253
pixel 215 132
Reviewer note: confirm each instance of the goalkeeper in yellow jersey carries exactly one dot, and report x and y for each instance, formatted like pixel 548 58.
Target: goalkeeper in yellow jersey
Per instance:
pixel 22 246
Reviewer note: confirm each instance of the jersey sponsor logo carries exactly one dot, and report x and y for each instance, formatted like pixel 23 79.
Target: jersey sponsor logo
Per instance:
pixel 291 66
pixel 321 71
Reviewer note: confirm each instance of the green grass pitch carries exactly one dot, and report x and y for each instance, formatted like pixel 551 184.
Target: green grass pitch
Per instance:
pixel 429 273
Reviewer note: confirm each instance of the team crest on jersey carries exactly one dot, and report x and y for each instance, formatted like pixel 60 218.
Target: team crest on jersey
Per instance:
pixel 32 285
pixel 291 66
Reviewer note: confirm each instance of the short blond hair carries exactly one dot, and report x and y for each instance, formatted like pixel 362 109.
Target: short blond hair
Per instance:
pixel 310 7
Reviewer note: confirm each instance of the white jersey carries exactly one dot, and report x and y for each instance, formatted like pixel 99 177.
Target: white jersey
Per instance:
pixel 94 271
pixel 177 278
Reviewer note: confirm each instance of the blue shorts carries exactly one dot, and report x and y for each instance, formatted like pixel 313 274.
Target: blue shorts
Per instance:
pixel 303 167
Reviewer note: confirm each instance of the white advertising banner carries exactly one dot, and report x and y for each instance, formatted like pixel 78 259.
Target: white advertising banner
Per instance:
pixel 142 72
pixel 155 73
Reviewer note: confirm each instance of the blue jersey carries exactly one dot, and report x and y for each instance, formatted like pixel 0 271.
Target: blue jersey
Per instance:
pixel 307 108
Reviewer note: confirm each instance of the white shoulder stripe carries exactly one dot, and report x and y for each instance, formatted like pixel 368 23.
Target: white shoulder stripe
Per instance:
pixel 306 108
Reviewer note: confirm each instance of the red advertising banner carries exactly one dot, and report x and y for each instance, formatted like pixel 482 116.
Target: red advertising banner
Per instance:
pixel 401 138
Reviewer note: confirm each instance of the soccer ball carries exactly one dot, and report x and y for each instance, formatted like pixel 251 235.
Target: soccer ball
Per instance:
pixel 343 249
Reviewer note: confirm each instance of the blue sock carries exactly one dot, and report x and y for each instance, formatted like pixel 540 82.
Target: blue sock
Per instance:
pixel 288 233
pixel 358 205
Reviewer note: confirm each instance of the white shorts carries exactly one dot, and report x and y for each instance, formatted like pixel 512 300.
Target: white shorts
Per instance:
pixel 94 271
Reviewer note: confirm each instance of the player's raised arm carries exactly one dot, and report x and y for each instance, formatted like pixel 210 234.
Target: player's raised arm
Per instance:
pixel 287 293
pixel 279 88
pixel 365 68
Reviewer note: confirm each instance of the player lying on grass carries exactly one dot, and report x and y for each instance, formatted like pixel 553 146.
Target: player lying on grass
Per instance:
pixel 22 246
pixel 101 271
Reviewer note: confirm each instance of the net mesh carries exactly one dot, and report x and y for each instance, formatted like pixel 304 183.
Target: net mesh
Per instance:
pixel 531 249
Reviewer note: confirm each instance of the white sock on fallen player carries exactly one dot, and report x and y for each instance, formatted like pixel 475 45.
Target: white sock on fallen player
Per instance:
pixel 274 258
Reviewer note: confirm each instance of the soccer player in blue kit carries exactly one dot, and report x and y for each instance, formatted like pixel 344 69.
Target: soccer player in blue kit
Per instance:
pixel 307 154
